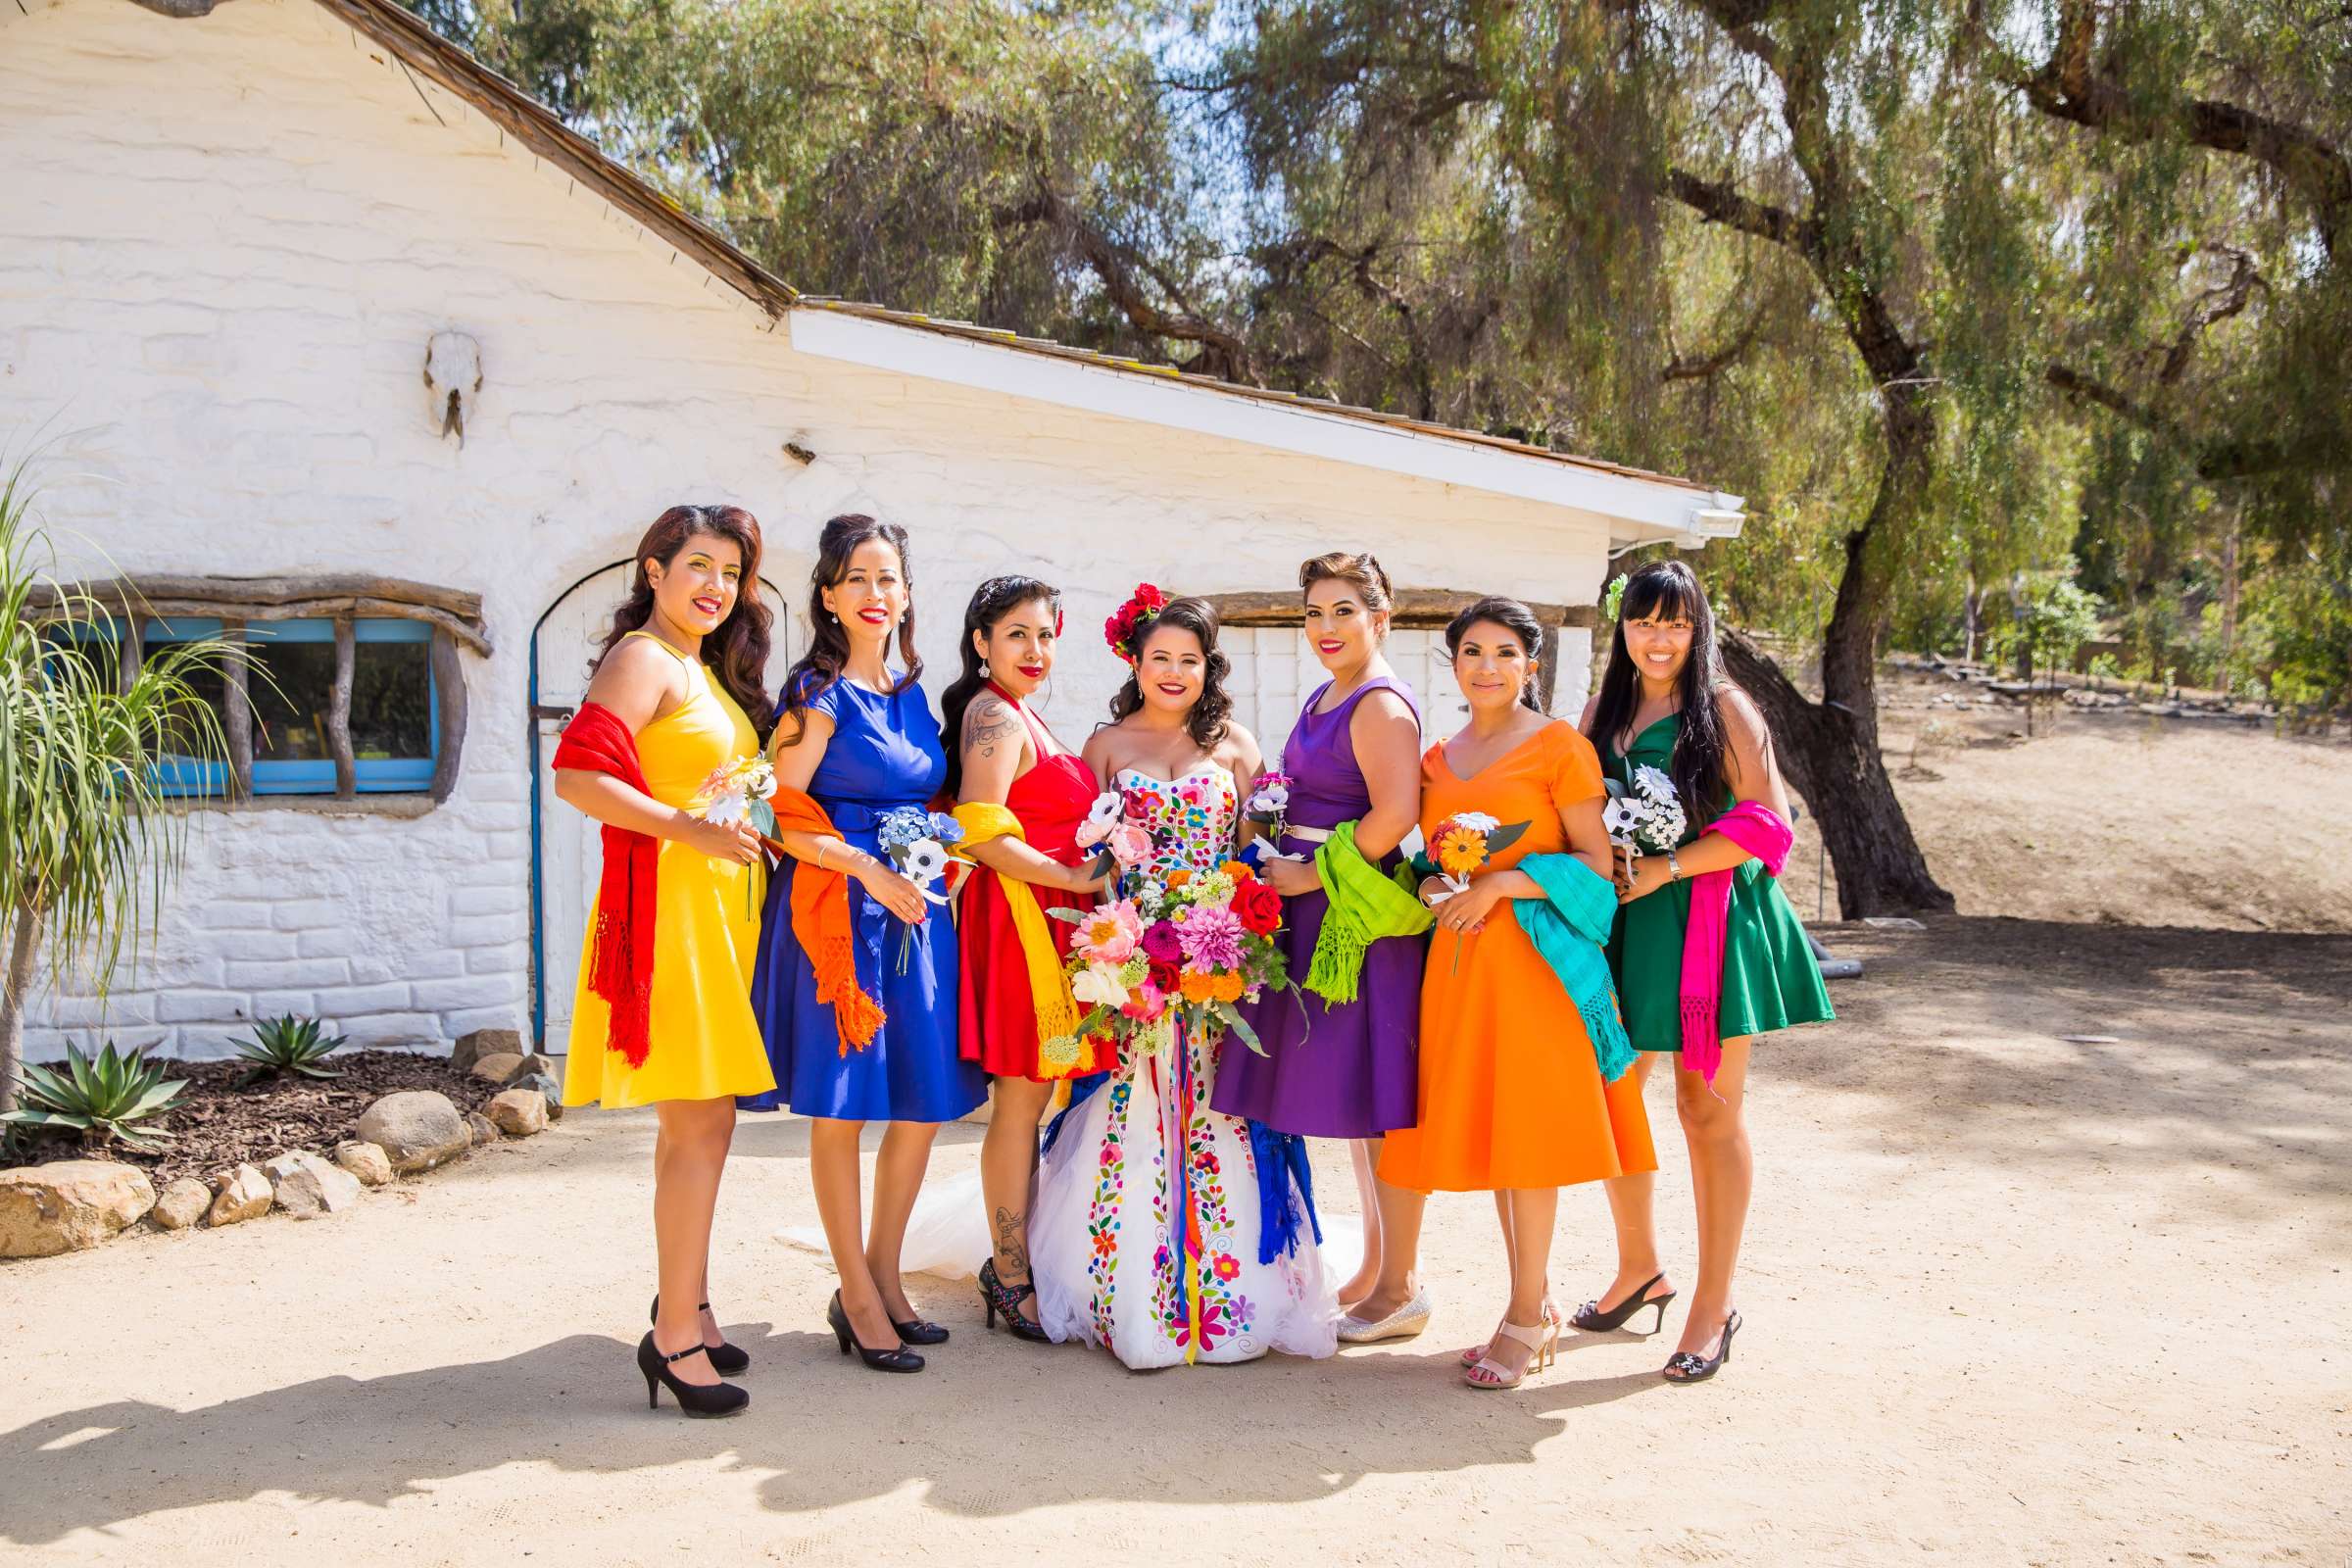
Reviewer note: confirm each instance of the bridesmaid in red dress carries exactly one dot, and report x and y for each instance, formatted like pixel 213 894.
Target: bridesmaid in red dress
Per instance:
pixel 1021 796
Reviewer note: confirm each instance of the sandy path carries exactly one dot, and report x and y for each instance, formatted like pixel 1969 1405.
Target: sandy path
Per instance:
pixel 2010 1300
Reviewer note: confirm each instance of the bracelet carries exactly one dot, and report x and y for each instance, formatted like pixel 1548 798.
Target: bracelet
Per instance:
pixel 1674 867
pixel 821 854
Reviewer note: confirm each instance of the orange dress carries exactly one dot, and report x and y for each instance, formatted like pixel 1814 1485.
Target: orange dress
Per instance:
pixel 1510 1095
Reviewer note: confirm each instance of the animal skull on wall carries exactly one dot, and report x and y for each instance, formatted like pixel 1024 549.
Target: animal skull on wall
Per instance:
pixel 453 374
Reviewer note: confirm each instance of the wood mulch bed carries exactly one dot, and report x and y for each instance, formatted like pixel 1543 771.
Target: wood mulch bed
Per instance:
pixel 218 1126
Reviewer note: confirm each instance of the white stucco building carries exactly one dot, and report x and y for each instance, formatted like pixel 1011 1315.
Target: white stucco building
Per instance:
pixel 246 257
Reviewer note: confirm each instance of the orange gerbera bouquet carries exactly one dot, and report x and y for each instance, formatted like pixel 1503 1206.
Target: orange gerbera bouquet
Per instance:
pixel 1461 847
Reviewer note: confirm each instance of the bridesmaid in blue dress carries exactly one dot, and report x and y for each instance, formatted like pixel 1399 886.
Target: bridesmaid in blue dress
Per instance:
pixel 860 739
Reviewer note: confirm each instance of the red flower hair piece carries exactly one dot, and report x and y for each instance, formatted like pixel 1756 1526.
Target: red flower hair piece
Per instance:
pixel 1125 629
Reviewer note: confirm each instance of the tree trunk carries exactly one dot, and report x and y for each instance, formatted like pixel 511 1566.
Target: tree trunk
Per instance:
pixel 1830 750
pixel 24 945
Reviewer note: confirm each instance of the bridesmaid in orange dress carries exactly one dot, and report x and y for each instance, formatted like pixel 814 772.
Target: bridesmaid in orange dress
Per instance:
pixel 1001 755
pixel 1512 1095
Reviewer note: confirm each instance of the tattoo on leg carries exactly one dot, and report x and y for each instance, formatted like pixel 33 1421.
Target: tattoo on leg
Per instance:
pixel 1011 1251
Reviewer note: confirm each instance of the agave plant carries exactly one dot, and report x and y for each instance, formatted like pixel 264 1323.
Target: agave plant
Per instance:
pixel 88 839
pixel 288 1045
pixel 100 1100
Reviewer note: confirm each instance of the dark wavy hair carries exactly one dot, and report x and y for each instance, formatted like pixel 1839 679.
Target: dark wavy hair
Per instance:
pixel 1699 742
pixel 1515 618
pixel 737 652
pixel 815 671
pixel 1209 717
pixel 992 601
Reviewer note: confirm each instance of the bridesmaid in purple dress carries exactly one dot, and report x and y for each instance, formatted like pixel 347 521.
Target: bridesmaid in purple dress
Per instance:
pixel 1354 756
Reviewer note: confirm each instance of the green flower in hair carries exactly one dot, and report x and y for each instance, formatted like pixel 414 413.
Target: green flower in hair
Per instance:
pixel 1613 597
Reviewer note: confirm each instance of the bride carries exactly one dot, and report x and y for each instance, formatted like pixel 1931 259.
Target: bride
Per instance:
pixel 1146 1235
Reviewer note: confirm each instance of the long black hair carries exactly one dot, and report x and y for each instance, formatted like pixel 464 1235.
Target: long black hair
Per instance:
pixel 1208 721
pixel 816 670
pixel 1512 616
pixel 1671 588
pixel 737 652
pixel 992 601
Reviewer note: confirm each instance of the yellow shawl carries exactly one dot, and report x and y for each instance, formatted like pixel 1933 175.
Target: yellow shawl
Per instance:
pixel 1057 1012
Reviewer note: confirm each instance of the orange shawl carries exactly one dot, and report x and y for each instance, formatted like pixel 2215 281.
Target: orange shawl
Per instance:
pixel 821 924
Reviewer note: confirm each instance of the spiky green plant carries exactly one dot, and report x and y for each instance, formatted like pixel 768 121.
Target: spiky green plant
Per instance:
pixel 99 1098
pixel 288 1045
pixel 88 843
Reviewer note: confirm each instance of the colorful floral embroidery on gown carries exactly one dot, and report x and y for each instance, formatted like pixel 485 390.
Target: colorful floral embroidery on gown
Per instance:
pixel 1144 1173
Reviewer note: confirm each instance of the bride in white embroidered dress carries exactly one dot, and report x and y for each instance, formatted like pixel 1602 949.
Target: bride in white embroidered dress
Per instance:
pixel 1144 1236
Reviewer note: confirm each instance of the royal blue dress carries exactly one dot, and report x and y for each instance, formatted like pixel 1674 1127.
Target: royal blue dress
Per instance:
pixel 884 753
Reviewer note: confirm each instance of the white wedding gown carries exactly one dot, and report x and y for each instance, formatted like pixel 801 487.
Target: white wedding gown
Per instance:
pixel 1144 1174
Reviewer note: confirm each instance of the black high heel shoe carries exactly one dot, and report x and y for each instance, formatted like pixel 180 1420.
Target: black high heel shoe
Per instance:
pixel 693 1398
pixel 1592 1320
pixel 999 1297
pixel 898 1359
pixel 725 1359
pixel 1683 1366
pixel 922 1331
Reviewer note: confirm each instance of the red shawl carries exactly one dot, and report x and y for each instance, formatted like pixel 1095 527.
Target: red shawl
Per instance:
pixel 620 967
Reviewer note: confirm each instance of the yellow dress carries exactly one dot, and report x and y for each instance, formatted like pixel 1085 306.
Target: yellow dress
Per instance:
pixel 706 1043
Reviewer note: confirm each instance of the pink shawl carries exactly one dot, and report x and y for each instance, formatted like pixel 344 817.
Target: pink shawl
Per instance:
pixel 1758 830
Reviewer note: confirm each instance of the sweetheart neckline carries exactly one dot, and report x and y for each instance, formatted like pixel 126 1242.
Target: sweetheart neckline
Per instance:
pixel 1204 768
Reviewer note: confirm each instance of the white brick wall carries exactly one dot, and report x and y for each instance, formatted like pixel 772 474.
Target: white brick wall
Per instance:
pixel 224 246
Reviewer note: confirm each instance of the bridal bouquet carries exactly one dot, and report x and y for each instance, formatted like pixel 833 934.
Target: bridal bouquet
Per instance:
pixel 1647 819
pixel 916 842
pixel 1182 947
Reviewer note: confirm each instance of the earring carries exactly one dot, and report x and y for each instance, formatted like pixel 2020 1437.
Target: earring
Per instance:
pixel 984 670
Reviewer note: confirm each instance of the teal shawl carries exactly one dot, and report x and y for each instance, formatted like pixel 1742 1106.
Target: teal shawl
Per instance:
pixel 1365 905
pixel 1570 927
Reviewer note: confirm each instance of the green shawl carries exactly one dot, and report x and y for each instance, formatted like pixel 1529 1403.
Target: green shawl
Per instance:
pixel 1365 905
pixel 1570 927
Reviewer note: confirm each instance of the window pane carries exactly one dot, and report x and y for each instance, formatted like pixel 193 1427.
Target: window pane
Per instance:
pixel 207 676
pixel 391 701
pixel 290 706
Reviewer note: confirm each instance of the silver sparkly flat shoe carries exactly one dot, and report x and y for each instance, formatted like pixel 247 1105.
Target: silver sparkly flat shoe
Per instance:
pixel 1402 1324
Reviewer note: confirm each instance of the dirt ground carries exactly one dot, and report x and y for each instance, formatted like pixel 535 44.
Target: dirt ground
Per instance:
pixel 2009 1299
pixel 2110 817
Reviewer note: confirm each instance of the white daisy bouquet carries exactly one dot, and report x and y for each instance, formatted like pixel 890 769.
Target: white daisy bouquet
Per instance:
pixel 1648 817
pixel 916 842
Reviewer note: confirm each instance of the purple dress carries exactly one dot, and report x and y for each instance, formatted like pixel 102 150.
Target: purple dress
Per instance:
pixel 1347 1071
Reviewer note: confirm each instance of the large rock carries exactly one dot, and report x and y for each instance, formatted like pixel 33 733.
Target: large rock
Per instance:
pixel 482 1127
pixel 518 1112
pixel 497 1067
pixel 365 1162
pixel 417 1128
pixel 473 1047
pixel 546 1086
pixel 180 1204
pixel 307 1187
pixel 244 1194
pixel 68 1206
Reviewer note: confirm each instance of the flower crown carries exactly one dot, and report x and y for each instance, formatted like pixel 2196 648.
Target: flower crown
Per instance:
pixel 1125 629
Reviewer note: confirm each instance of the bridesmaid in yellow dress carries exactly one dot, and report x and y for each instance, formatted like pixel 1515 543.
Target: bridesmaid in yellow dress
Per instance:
pixel 1512 1098
pixel 662 1016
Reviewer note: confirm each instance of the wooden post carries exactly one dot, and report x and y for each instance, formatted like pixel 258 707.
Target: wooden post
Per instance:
pixel 338 711
pixel 449 716
pixel 236 710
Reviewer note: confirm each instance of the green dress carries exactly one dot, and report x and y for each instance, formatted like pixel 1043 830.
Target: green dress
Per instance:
pixel 1770 980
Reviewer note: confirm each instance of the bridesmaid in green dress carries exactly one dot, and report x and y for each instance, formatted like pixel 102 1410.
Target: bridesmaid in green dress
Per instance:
pixel 1664 703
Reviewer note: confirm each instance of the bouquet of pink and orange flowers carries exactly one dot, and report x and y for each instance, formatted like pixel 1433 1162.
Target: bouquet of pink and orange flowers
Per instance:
pixel 1180 945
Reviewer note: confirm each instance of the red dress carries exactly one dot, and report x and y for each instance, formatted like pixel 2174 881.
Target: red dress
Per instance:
pixel 997 1016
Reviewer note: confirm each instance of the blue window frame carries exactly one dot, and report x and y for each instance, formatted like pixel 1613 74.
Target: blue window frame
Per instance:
pixel 394 706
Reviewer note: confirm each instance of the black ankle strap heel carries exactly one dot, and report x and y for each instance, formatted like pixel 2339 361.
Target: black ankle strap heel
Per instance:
pixel 725 1359
pixel 997 1296
pixel 693 1398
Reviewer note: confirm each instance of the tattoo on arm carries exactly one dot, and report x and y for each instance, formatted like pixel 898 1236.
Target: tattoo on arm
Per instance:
pixel 987 724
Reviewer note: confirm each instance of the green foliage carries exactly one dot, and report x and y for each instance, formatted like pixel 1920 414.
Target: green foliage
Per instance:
pixel 101 1099
pixel 87 845
pixel 2049 624
pixel 288 1045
